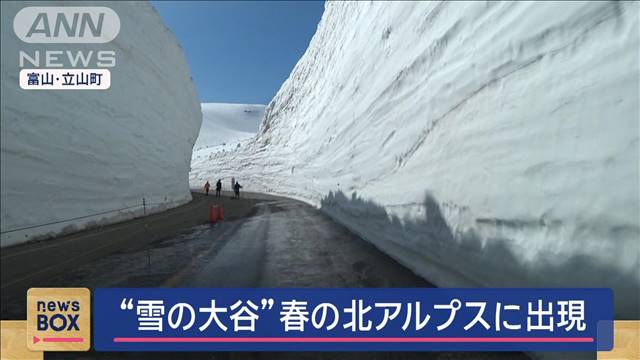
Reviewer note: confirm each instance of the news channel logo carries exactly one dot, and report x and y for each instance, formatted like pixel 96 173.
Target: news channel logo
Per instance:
pixel 66 68
pixel 58 319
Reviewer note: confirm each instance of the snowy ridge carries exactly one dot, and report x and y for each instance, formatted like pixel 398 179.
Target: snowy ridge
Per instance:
pixel 71 154
pixel 480 144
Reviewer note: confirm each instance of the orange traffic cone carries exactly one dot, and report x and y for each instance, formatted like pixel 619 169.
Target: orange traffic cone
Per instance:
pixel 212 214
pixel 220 213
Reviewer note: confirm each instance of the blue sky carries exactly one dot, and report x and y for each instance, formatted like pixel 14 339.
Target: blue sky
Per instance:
pixel 242 51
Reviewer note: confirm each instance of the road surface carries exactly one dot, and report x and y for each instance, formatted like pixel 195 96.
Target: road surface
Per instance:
pixel 286 243
pixel 264 241
pixel 99 256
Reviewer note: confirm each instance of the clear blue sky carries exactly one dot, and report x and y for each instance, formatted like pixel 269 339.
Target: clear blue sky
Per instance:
pixel 241 51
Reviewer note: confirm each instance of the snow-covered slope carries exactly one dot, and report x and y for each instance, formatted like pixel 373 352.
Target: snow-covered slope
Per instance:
pixel 69 154
pixel 479 143
pixel 225 127
pixel 228 123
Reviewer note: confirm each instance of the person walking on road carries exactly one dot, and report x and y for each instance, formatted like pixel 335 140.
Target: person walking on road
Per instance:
pixel 218 188
pixel 236 189
pixel 206 187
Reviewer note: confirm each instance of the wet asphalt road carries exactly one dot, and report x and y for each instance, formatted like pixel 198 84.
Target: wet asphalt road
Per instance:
pixel 290 244
pixel 265 241
pixel 106 256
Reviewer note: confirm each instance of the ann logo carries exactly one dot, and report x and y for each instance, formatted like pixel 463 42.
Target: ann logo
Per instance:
pixel 76 27
pixel 66 24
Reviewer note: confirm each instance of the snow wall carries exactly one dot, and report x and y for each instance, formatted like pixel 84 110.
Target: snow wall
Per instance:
pixel 73 153
pixel 478 143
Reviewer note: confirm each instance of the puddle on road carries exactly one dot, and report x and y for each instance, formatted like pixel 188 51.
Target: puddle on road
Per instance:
pixel 147 267
pixel 150 266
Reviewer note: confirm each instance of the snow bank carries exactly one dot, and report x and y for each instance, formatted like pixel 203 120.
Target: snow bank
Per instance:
pixel 70 154
pixel 479 143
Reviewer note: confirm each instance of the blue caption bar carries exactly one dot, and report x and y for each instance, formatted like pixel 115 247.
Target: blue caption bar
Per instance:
pixel 352 319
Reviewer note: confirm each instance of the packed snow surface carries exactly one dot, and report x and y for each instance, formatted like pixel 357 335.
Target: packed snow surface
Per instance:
pixel 479 143
pixel 70 154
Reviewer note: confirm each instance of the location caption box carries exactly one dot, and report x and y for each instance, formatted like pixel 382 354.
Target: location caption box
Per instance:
pixel 59 319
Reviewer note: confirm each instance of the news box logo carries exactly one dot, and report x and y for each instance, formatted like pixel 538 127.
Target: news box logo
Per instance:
pixel 58 319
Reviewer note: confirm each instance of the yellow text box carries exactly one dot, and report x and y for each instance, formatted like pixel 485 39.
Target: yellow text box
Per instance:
pixel 14 341
pixel 626 341
pixel 59 319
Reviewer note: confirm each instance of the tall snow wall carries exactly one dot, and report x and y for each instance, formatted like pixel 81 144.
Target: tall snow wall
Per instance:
pixel 485 144
pixel 70 154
